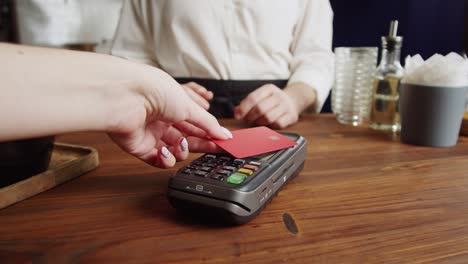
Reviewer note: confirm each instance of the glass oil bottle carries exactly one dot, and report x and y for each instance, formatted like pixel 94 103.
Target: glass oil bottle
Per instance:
pixel 384 114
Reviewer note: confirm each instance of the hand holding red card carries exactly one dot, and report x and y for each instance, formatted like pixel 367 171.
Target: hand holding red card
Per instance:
pixel 254 141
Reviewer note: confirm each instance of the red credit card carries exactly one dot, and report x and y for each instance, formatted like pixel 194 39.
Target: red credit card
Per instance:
pixel 254 141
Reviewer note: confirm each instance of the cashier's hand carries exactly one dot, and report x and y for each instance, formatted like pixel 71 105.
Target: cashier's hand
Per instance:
pixel 199 94
pixel 160 123
pixel 268 106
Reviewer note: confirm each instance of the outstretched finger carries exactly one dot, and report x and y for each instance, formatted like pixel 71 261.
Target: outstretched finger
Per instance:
pixel 190 130
pixel 205 121
pixel 202 145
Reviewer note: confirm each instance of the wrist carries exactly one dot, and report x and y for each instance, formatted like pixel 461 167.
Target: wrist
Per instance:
pixel 301 94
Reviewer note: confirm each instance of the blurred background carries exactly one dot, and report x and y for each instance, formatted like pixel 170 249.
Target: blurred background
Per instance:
pixel 428 26
pixel 74 24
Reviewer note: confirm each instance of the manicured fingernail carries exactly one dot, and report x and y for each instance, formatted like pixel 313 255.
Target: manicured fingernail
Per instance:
pixel 227 132
pixel 165 152
pixel 184 144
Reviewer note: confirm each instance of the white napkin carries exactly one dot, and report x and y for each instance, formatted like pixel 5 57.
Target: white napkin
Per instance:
pixel 448 71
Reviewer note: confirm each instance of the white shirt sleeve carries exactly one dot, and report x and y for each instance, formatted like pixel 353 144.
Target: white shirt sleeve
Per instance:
pixel 132 39
pixel 57 23
pixel 313 59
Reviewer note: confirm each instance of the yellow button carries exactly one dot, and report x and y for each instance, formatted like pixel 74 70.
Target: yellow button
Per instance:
pixel 245 171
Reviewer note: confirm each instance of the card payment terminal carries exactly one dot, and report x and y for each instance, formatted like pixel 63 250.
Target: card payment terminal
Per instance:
pixel 234 190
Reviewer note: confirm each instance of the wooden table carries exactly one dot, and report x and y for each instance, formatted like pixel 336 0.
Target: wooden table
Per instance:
pixel 361 198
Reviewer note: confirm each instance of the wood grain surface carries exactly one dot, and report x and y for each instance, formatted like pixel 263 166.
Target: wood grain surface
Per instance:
pixel 362 197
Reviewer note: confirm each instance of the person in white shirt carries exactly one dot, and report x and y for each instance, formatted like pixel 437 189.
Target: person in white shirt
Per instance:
pixel 244 52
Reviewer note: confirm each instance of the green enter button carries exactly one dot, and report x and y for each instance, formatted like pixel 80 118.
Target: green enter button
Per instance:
pixel 237 178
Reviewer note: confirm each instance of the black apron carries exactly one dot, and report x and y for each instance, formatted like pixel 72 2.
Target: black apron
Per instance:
pixel 228 93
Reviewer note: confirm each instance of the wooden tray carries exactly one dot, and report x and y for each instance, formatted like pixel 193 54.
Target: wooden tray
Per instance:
pixel 67 162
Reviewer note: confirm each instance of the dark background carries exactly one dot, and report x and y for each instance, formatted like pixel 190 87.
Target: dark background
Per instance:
pixel 427 26
pixel 7 27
